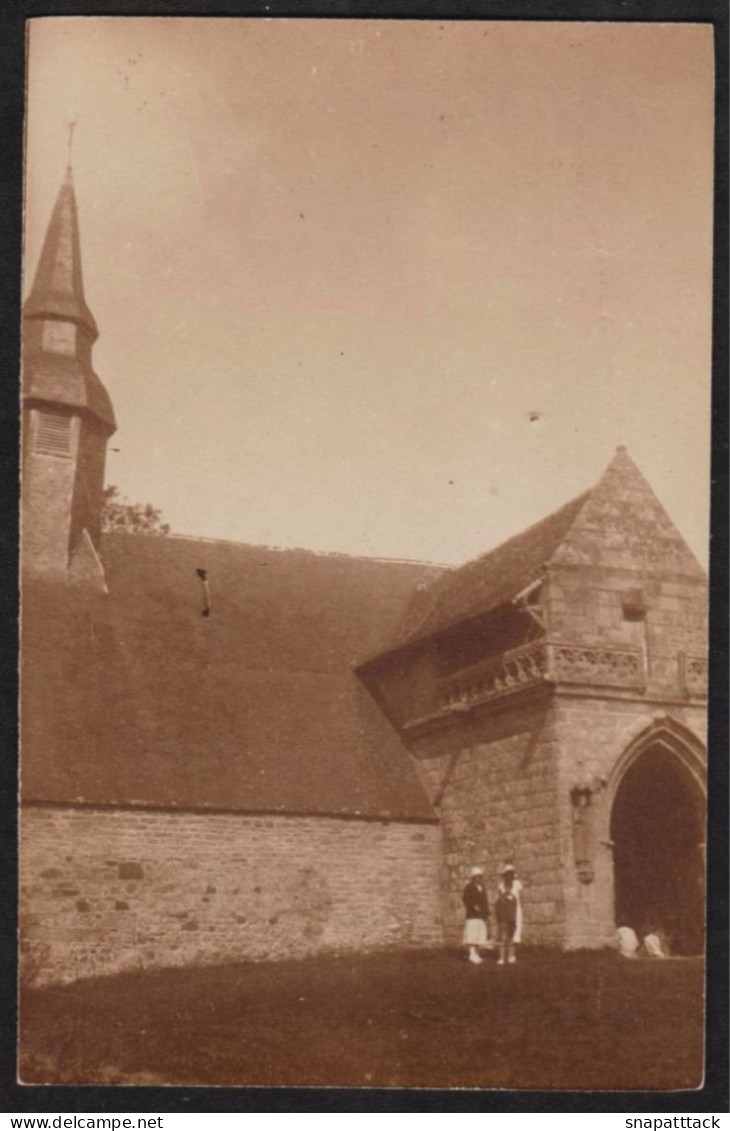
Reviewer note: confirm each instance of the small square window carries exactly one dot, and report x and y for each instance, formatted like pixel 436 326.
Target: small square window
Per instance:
pixel 633 605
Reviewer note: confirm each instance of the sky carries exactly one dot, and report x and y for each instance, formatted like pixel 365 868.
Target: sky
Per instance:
pixel 386 288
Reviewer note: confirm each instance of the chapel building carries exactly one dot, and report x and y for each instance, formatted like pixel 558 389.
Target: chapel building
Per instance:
pixel 233 752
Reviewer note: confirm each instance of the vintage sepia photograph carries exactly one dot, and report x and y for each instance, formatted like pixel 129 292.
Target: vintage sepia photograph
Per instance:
pixel 365 526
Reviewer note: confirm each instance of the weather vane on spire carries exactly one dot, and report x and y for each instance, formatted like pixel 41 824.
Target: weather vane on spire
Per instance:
pixel 70 126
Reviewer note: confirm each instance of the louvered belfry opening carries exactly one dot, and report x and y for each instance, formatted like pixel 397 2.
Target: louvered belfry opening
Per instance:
pixel 53 434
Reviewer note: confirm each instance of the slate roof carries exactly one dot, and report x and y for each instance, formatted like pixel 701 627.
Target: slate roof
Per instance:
pixel 52 378
pixel 58 288
pixel 490 580
pixel 619 522
pixel 135 698
pixel 58 294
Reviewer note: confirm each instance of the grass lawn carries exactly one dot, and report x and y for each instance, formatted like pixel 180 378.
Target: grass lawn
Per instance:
pixel 586 1020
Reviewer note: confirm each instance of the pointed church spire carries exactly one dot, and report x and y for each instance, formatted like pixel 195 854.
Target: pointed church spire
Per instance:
pixel 67 414
pixel 58 287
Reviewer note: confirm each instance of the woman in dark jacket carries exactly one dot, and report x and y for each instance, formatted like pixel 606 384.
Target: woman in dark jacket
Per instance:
pixel 476 906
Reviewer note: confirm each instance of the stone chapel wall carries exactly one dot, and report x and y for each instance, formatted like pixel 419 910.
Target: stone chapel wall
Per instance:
pixel 106 890
pixel 494 785
pixel 662 619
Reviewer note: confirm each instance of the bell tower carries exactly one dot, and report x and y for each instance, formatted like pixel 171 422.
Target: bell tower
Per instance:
pixel 67 414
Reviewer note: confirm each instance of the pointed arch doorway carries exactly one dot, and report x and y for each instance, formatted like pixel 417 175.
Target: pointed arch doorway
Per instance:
pixel 658 833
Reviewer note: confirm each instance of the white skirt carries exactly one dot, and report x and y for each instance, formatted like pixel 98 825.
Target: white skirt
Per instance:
pixel 475 933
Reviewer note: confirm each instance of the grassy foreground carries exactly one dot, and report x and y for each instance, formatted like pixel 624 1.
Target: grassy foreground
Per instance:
pixel 587 1020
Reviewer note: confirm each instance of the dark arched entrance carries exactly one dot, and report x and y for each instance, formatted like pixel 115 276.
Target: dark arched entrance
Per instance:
pixel 657 829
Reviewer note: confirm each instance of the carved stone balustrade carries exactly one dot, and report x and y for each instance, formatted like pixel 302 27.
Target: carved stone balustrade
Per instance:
pixel 500 675
pixel 601 667
pixel 535 663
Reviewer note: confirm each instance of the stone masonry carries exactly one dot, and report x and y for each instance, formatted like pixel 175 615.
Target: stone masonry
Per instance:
pixel 530 690
pixel 109 890
pixel 522 751
pixel 496 792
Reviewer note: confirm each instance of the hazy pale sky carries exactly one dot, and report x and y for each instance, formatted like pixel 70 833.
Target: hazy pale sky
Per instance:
pixel 388 288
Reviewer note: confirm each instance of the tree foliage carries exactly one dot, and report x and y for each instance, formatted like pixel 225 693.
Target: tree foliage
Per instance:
pixel 134 518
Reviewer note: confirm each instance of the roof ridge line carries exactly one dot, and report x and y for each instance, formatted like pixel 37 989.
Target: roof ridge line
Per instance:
pixel 431 621
pixel 538 522
pixel 286 549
